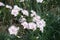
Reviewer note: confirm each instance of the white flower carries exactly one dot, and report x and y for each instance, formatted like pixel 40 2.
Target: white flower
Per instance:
pixel 22 0
pixel 22 20
pixel 41 24
pixel 13 30
pixel 33 13
pixel 25 25
pixel 25 12
pixel 8 6
pixel 17 8
pixel 2 4
pixel 39 1
pixel 14 12
pixel 32 26
pixel 36 18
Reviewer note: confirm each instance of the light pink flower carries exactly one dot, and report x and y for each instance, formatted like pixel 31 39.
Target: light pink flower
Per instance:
pixel 14 12
pixel 36 18
pixel 2 4
pixel 25 25
pixel 32 26
pixel 25 12
pixel 17 8
pixel 41 24
pixel 13 30
pixel 33 13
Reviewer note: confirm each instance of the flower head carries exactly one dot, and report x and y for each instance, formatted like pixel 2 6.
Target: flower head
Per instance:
pixel 32 26
pixel 17 8
pixel 33 13
pixel 36 18
pixel 2 4
pixel 14 12
pixel 25 25
pixel 13 30
pixel 41 24
pixel 25 12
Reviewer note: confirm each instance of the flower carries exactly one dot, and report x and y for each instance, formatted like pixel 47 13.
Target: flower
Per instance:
pixel 39 1
pixel 41 24
pixel 32 26
pixel 33 13
pixel 25 12
pixel 8 6
pixel 14 12
pixel 13 30
pixel 17 8
pixel 36 18
pixel 25 25
pixel 2 4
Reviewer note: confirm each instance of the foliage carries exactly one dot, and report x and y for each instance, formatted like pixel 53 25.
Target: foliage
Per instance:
pixel 49 10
